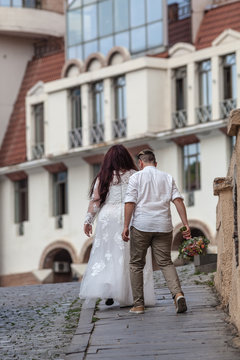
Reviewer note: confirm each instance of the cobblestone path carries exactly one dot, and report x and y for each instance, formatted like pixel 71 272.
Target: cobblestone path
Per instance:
pixel 37 322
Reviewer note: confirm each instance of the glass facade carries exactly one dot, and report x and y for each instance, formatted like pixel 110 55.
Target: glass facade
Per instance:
pixel 97 26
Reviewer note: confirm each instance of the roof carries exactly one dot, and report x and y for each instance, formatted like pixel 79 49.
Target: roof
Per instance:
pixel 48 68
pixel 215 21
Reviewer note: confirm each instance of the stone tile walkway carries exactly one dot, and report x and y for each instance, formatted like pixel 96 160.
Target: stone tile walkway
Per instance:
pixel 201 333
pixel 37 322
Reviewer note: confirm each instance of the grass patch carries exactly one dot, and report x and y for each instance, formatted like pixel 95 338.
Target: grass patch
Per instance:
pixel 95 319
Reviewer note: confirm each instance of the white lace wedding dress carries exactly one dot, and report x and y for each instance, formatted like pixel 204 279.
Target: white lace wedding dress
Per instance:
pixel 107 274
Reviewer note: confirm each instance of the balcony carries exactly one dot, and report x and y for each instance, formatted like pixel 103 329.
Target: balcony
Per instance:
pixel 179 118
pixel 119 128
pixel 226 106
pixel 75 137
pixel 38 151
pixel 97 133
pixel 30 21
pixel 204 113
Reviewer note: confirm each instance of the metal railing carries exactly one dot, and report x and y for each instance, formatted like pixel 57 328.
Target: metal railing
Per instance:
pixel 75 137
pixel 119 128
pixel 97 133
pixel 33 4
pixel 184 10
pixel 204 113
pixel 38 151
pixel 179 118
pixel 226 106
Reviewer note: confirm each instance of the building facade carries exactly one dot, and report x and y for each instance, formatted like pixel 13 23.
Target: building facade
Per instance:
pixel 165 77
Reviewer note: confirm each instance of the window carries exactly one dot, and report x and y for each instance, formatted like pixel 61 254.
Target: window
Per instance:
pixel 75 135
pixel 21 200
pixel 97 131
pixel 178 9
pixel 204 111
pixel 21 3
pixel 191 166
pixel 120 122
pixel 180 116
pixel 229 85
pixel 38 129
pixel 99 25
pixel 60 193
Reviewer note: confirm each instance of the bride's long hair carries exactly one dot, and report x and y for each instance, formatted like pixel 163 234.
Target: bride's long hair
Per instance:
pixel 116 159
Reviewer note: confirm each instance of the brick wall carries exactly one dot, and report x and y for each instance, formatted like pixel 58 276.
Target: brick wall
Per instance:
pixel 53 5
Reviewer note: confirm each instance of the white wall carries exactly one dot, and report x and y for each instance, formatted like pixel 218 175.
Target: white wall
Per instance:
pixel 57 123
pixel 15 52
pixel 23 253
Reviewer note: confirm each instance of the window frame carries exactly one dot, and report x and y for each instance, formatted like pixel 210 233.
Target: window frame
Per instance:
pixel 58 208
pixel 19 205
pixel 187 185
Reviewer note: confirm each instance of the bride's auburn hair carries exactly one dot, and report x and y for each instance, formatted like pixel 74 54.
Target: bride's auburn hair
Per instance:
pixel 116 159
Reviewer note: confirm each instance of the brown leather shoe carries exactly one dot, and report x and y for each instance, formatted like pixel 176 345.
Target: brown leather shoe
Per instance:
pixel 180 303
pixel 137 309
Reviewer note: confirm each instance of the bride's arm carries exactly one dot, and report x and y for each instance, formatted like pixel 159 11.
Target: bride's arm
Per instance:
pixel 93 209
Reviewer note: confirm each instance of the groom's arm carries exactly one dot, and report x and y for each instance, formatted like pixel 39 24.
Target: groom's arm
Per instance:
pixel 128 211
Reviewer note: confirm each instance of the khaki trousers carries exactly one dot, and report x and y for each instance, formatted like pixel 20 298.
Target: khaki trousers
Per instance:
pixel 161 249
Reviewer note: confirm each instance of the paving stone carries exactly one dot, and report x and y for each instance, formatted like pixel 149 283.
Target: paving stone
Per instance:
pixel 33 321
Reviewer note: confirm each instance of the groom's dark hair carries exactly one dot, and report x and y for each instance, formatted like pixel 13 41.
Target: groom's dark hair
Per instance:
pixel 147 156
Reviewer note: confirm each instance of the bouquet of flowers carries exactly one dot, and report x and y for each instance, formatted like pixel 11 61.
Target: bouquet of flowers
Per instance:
pixel 193 246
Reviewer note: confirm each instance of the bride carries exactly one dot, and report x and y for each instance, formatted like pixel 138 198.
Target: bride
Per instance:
pixel 107 275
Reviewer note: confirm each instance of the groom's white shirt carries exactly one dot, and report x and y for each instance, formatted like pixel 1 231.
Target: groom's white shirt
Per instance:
pixel 152 191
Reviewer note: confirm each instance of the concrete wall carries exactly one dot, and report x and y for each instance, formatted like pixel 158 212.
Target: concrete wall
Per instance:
pixel 14 55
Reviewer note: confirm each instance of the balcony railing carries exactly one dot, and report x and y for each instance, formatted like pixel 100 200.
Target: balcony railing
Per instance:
pixel 75 137
pixel 33 4
pixel 184 10
pixel 226 106
pixel 119 128
pixel 38 151
pixel 179 118
pixel 97 133
pixel 204 113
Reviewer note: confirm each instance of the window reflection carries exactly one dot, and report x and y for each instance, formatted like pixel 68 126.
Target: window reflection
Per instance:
pixel 74 27
pixel 137 10
pixel 89 48
pixel 154 10
pixel 138 40
pixel 90 22
pixel 155 34
pixel 121 17
pixel 122 39
pixel 106 44
pixel 105 18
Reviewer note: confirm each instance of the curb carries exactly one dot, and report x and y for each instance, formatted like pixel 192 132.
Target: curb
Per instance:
pixel 78 346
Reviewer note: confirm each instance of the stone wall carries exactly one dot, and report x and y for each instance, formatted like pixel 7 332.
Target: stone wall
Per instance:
pixel 227 279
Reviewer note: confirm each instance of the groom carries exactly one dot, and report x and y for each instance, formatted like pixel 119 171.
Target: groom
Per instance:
pixel 147 202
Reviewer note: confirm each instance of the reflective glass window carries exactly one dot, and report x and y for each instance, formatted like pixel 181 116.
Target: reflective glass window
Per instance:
pixel 5 2
pixel 105 18
pixel 106 44
pixel 137 10
pixel 121 18
pixel 74 28
pixel 17 3
pixel 122 39
pixel 138 39
pixel 73 4
pixel 154 10
pixel 155 34
pixel 90 47
pixel 90 22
